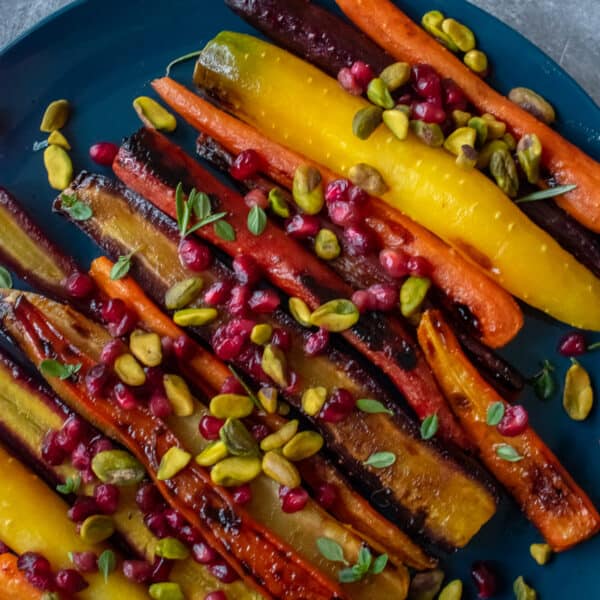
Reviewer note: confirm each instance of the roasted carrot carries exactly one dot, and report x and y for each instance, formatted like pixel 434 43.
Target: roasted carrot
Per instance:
pixel 498 315
pixel 542 487
pixel 405 40
pixel 13 583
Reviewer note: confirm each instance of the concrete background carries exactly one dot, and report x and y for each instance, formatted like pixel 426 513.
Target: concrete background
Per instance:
pixel 568 31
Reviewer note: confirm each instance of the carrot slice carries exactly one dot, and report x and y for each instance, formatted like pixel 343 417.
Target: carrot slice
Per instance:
pixel 405 40
pixel 542 487
pixel 498 315
pixel 13 583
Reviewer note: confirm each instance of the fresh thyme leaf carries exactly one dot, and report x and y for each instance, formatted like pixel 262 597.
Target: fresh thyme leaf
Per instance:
pixel 331 550
pixel 77 210
pixel 121 267
pixel 495 412
pixel 201 206
pixel 207 221
pixel 380 460
pixel 179 205
pixel 379 564
pixel 549 193
pixel 543 381
pixel 246 387
pixel 365 558
pixel 70 486
pixel 5 278
pixel 507 452
pixel 107 562
pixel 371 406
pixel 257 220
pixel 429 426
pixel 53 368
pixel 348 575
pixel 225 231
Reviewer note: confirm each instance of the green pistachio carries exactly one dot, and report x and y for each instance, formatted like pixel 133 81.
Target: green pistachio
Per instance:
pixel 463 136
pixel 578 396
pixel 117 467
pixel 432 23
pixel 56 116
pixel 173 461
pixel 429 133
pixel 300 311
pixel 368 178
pixel 56 138
pixel 483 162
pixel 179 395
pixel 166 591
pixel 313 400
pixel 541 553
pixel 504 171
pixel 195 317
pixel 509 140
pixel 183 293
pixel 236 470
pixel 280 437
pixel 366 121
pixel 496 129
pixel 533 103
pixel 452 591
pixel 303 445
pixel 426 585
pixel 212 454
pixel 467 157
pixel 146 347
pixel 397 122
pixel 231 406
pixel 154 115
pixel 171 549
pixel 129 370
pixel 461 35
pixel 461 118
pixel 529 155
pixel 238 440
pixel 278 203
pixel 379 94
pixel 327 246
pixel 261 334
pixel 274 365
pixel 96 529
pixel 58 167
pixel 395 75
pixel 481 128
pixel 335 315
pixel 307 189
pixel 412 294
pixel 477 61
pixel 523 591
pixel 280 469
pixel 268 396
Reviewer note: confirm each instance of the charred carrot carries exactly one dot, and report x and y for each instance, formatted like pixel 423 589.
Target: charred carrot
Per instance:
pixel 13 583
pixel 498 315
pixel 394 31
pixel 542 487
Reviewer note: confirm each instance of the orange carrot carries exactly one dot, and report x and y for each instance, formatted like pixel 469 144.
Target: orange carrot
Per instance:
pixel 13 584
pixel 498 314
pixel 405 40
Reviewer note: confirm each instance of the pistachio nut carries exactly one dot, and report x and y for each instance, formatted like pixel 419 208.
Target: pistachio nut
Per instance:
pixel 231 406
pixel 280 437
pixel 327 245
pixel 267 396
pixel 477 61
pixel 395 75
pixel 335 315
pixel 274 364
pixel 397 122
pixel 461 118
pixel 467 157
pixel 368 178
pixel 55 116
pixel 261 334
pixel 412 294
pixel 179 395
pixel 429 133
pixel 300 311
pixel 578 396
pixel 432 23
pixel 278 203
pixel 212 454
pixel 283 409
pixel 509 140
pixel 379 94
pixel 96 529
pixel 307 189
pixel 481 128
pixel 129 370
pixel 529 155
pixel 237 439
pixel 303 445
pixel 195 317
pixel 166 591
pixel 533 103
pixel 236 470
pixel 183 293
pixel 541 553
pixel 58 167
pixel 313 400
pixel 496 129
pixel 146 347
pixel 504 171
pixel 56 138
pixel 461 35
pixel 483 162
pixel 463 136
pixel 280 469
pixel 117 467
pixel 171 549
pixel 452 591
pixel 426 585
pixel 173 461
pixel 522 590
pixel 153 115
pixel 366 121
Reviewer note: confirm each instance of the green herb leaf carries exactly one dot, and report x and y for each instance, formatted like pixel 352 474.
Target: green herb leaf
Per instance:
pixel 379 564
pixel 429 426
pixel 179 205
pixel 53 368
pixel 246 387
pixel 70 486
pixel 207 221
pixel 77 210
pixel 181 59
pixel 549 193
pixel 331 550
pixel 371 406
pixel 107 562
pixel 507 452
pixel 380 460
pixel 201 206
pixel 495 413
pixel 257 220
pixel 543 381
pixel 365 558
pixel 594 346
pixel 71 556
pixel 5 278
pixel 225 231
pixel 349 575
pixel 121 267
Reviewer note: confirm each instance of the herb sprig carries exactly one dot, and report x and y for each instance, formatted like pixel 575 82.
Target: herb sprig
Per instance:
pixel 543 381
pixel 380 460
pixel 70 486
pixel 5 278
pixel 107 563
pixel 368 405
pixel 122 266
pixel 365 564
pixel 544 194
pixel 54 368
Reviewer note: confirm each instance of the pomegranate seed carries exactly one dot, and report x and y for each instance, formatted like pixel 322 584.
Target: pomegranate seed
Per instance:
pixel 210 427
pixel 223 572
pixel 85 562
pixel 406 99
pixel 114 310
pixel 125 326
pixel 52 453
pixel 41 581
pixel 157 524
pixel 358 241
pixel 219 595
pixel 348 82
pixel 160 406
pixel 174 519
pixel 218 293
pixel 294 500
pixel 282 339
pixel 188 535
pixel 83 507
pixel 240 296
pixel 229 340
pixel 421 70
pixel 107 498
pixel 96 379
pixel 101 445
pixel 343 213
pixel 154 378
pixel 386 296
pixel 362 72
pixel 80 457
pixel 364 301
pixel 302 226
pixel 429 86
pixel 454 99
pixel 166 344
pixel 87 475
pixel 183 347
pixel 293 387
pixel 418 265
pixel 428 112
pixel 485 579
pixel 228 348
pixel 246 269
pixel 514 422
pixel 161 570
pixel 246 164
pixel 259 432
pixel 316 343
pixel 394 262
pixel 572 344
pixel 79 285
pixel 326 495
pixel 137 570
pixel 231 385
pixel 103 153
pixel 264 301
pixel 70 581
pixel 202 553
pixel 148 498
pixel 32 562
pixel 338 191
pixel 340 404
pixel 256 197
pixel 194 255
pixel 358 196
pixel 73 431
pixel 4 549
pixel 111 351
pixel 242 494
pixel 125 397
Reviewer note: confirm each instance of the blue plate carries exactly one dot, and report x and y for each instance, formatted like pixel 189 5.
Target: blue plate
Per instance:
pixel 101 54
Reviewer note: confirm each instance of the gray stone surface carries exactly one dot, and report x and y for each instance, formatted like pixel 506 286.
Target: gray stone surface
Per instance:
pixel 569 31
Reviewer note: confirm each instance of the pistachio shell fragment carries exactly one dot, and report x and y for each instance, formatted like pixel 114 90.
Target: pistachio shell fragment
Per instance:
pixel 366 121
pixel 153 115
pixel 461 35
pixel 58 167
pixel 173 461
pixel 56 138
pixel 327 245
pixel 463 136
pixel 212 454
pixel 368 178
pixel 578 396
pixel 307 189
pixel 313 400
pixel 429 133
pixel 395 75
pixel 300 311
pixel 432 23
pixel 166 591
pixel 529 155
pixel 303 445
pixel 453 591
pixel 533 103
pixel 477 61
pixel 522 590
pixel 280 437
pixel 278 203
pixel 397 122
pixel 237 439
pixel 179 395
pixel 195 317
pixel 541 553
pixel 261 334
pixel 483 162
pixel 171 549
pixel 274 364
pixel 96 529
pixel 55 116
pixel 379 94
pixel 236 470
pixel 412 294
pixel 117 467
pixel 146 347
pixel 504 170
pixel 268 396
pixel 467 157
pixel 129 370
pixel 481 128
pixel 280 469
pixel 183 293
pixel 231 406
